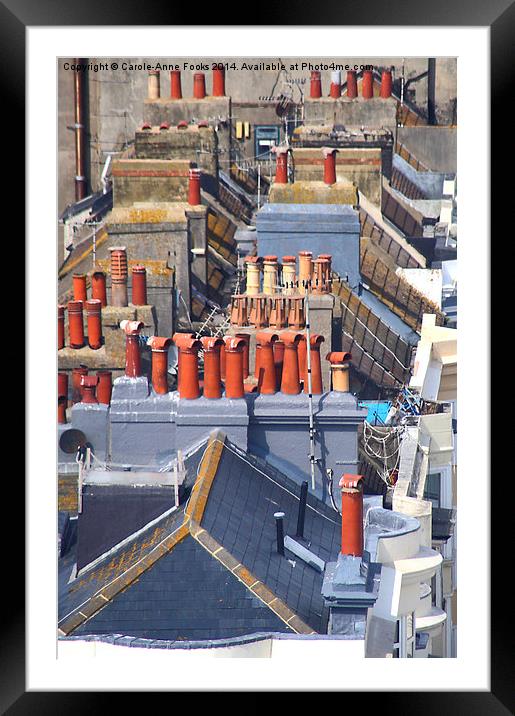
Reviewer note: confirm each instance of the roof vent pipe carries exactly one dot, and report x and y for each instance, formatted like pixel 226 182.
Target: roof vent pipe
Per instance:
pixel 94 311
pixel 175 84
pixel 352 514
pixel 352 84
pixel 199 85
pixel 302 508
pixel 367 84
pixel 188 382
pixel 335 89
pixel 329 165
pixel 234 387
pixel 98 287
pixel 279 527
pixel 132 353
pixel 212 376
pixel 218 81
pixel 159 346
pixel 119 275
pixel 75 324
pixel 60 327
pixel 154 84
pixel 315 87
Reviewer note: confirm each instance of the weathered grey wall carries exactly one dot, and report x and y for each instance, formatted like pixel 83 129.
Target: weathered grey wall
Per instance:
pixel 116 99
pixel 436 147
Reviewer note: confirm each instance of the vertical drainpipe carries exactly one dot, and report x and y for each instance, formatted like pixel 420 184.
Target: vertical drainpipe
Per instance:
pixel 80 165
pixel 431 88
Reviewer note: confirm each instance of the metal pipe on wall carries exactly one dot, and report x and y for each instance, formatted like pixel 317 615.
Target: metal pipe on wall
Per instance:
pixel 80 167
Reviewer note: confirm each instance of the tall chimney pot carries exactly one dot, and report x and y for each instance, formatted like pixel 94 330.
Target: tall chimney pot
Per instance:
pixel 367 84
pixel 305 270
pixel 352 515
pixel 105 386
pixel 132 352
pixel 175 84
pixel 75 324
pixel 159 346
pixel 340 364
pixel 386 84
pixel 352 84
pixel 94 311
pixel 317 387
pixel 315 87
pixel 119 275
pixel 80 292
pixel 199 85
pixel 89 386
pixel 335 89
pixel 290 383
pixel 234 387
pixel 329 165
pixel 188 382
pixel 267 382
pixel 281 166
pixel 77 374
pixel 98 287
pixel 154 84
pixel 139 286
pixel 219 81
pixel 212 376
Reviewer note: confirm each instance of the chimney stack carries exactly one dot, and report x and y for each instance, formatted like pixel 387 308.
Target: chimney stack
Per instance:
pixel 194 187
pixel 77 374
pixel 154 84
pixel 94 311
pixel 267 382
pixel 132 352
pixel 212 375
pixel 234 367
pixel 188 347
pixel 159 347
pixel 317 387
pixel 329 165
pixel 290 383
pixel 75 324
pixel 270 275
pixel 98 287
pixel 315 89
pixel 199 85
pixel 281 166
pixel 60 327
pixel 175 84
pixel 352 515
pixel 386 84
pixel 105 386
pixel 253 267
pixel 305 269
pixel 239 310
pixel 89 386
pixel 80 292
pixel 139 286
pixel 335 89
pixel 289 275
pixel 352 84
pixel 340 371
pixel 219 81
pixel 367 84
pixel 119 275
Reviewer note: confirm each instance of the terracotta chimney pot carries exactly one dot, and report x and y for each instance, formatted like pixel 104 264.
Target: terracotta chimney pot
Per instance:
pixel 199 85
pixel 329 165
pixel 80 292
pixel 98 287
pixel 218 81
pixel 175 84
pixel 305 269
pixel 386 84
pixel 317 387
pixel 188 382
pixel 367 84
pixel 119 275
pixel 352 515
pixel 132 352
pixel 234 387
pixel 212 377
pixel 267 381
pixel 315 89
pixel 89 386
pixel 290 383
pixel 159 346
pixel 75 324
pixel 105 386
pixel 139 286
pixel 352 84
pixel 340 364
pixel 154 84
pixel 281 166
pixel 77 374
pixel 94 311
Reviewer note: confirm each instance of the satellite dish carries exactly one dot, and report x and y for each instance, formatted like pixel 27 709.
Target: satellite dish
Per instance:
pixel 71 441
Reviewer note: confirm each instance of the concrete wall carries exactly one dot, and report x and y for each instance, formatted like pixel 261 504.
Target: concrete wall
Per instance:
pixel 436 147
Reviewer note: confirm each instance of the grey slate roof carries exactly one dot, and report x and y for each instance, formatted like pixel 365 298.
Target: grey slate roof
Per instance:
pixel 209 570
pixel 239 515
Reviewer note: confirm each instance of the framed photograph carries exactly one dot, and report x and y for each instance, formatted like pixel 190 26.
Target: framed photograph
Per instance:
pixel 253 247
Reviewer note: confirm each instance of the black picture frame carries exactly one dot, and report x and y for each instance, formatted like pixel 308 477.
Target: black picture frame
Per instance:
pixel 15 17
